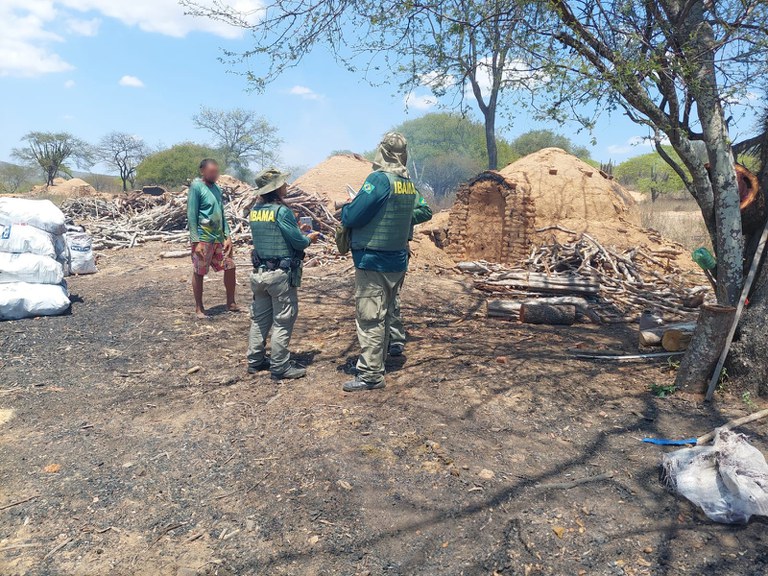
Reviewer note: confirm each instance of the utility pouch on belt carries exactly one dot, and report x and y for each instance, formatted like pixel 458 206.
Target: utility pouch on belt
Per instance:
pixel 297 270
pixel 255 259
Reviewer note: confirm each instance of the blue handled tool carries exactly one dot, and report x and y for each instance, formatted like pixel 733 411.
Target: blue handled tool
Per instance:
pixel 668 442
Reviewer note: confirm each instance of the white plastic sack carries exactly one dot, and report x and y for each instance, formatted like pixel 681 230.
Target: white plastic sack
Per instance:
pixel 728 480
pixel 42 214
pixel 30 268
pixel 21 238
pixel 22 300
pixel 62 252
pixel 81 258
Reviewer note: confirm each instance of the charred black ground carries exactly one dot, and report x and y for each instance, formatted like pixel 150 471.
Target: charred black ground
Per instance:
pixel 161 471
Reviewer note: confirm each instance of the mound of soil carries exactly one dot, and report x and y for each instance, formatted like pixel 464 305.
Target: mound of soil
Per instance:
pixel 330 178
pixel 568 191
pixel 72 188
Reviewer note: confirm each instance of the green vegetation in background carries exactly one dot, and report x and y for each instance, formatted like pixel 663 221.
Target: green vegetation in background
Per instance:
pixel 536 140
pixel 176 166
pixel 15 179
pixel 447 149
pixel 650 174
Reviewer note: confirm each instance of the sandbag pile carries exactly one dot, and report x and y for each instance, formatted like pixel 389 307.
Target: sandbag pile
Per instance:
pixel 34 259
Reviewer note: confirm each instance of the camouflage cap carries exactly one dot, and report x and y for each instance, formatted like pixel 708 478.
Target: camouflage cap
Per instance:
pixel 270 180
pixel 392 154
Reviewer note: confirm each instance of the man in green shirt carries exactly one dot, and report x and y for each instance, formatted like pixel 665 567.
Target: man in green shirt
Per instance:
pixel 209 235
pixel 278 250
pixel 380 219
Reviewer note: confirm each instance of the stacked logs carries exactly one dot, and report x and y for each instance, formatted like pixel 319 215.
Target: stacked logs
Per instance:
pixel 616 286
pixel 135 218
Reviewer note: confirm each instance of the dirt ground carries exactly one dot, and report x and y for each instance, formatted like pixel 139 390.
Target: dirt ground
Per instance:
pixel 116 458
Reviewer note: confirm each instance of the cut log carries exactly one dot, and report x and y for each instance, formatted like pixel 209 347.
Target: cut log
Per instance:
pixel 570 284
pixel 653 336
pixel 562 314
pixel 676 340
pixel 705 347
pixel 473 267
pixel 511 308
pixel 504 309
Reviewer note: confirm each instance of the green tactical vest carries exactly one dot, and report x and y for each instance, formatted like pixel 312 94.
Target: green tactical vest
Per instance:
pixel 268 239
pixel 389 230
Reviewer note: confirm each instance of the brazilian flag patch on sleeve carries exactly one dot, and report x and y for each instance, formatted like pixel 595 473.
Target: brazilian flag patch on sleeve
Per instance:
pixel 368 187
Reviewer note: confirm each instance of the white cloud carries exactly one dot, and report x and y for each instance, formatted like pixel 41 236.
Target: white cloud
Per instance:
pixel 83 27
pixel 517 73
pixel 24 40
pixel 305 93
pixel 131 82
pixel 165 16
pixel 69 84
pixel 640 143
pixel 28 40
pixel 419 102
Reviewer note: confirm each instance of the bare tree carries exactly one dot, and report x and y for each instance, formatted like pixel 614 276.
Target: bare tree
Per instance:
pixel 124 152
pixel 50 151
pixel 243 137
pixel 469 49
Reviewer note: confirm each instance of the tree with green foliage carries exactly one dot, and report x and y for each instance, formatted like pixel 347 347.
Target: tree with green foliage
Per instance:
pixel 51 150
pixel 447 149
pixel 535 140
pixel 242 136
pixel 678 69
pixel 124 152
pixel 15 178
pixel 458 49
pixel 176 166
pixel 681 69
pixel 650 174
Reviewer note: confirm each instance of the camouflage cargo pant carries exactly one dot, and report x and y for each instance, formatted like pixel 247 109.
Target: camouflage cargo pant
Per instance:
pixel 375 294
pixel 275 306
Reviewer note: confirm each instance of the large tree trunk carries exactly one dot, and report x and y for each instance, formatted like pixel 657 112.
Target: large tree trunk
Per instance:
pixel 705 348
pixel 729 242
pixel 748 360
pixel 490 139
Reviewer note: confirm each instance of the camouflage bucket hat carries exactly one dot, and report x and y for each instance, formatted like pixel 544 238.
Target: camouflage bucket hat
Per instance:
pixel 392 154
pixel 270 180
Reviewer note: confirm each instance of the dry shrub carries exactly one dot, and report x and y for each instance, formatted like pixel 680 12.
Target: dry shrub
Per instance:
pixel 677 219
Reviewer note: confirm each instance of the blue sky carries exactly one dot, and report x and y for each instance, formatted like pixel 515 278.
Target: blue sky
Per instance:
pixel 141 66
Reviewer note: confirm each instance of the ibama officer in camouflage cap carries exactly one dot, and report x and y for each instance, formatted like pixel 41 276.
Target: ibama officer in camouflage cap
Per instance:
pixel 380 218
pixel 278 251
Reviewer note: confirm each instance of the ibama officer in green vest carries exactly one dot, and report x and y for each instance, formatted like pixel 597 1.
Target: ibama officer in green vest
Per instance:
pixel 380 218
pixel 278 251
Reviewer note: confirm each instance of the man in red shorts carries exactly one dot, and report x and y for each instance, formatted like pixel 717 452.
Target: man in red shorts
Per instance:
pixel 209 234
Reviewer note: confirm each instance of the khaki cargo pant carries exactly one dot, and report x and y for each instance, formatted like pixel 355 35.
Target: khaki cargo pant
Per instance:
pixel 275 306
pixel 375 294
pixel 396 327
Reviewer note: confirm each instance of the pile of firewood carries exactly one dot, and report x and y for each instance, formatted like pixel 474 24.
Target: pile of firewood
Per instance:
pixel 615 286
pixel 134 218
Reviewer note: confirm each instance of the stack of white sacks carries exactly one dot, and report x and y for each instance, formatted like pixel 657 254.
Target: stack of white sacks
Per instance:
pixel 36 253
